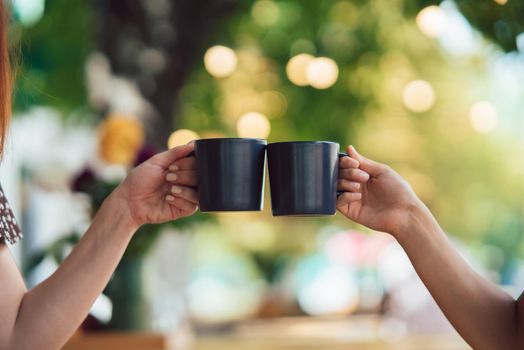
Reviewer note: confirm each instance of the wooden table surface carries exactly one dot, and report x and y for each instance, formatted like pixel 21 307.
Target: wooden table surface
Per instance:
pixel 362 333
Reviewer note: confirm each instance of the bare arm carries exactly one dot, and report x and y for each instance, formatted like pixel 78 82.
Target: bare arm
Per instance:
pixel 52 311
pixel 46 316
pixel 484 315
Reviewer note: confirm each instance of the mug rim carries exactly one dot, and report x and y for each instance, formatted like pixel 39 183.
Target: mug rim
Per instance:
pixel 303 142
pixel 231 139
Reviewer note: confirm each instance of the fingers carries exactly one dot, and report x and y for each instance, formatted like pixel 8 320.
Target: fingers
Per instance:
pixel 166 158
pixel 348 197
pixel 184 192
pixel 355 175
pixel 348 162
pixel 183 177
pixel 186 163
pixel 349 186
pixel 368 165
pixel 181 203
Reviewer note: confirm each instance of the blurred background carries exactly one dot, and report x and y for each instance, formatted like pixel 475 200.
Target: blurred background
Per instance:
pixel 432 88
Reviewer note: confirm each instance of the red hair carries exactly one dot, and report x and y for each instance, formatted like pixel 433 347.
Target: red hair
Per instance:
pixel 5 78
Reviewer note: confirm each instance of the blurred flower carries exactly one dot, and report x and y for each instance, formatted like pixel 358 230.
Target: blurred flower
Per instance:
pixel 144 154
pixel 83 181
pixel 121 137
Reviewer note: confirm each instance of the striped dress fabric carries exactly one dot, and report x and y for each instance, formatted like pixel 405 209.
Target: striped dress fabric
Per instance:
pixel 9 230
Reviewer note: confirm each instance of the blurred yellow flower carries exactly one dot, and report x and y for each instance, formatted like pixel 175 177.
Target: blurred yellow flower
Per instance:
pixel 121 137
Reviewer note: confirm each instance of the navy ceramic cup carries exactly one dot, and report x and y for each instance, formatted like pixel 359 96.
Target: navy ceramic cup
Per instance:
pixel 230 174
pixel 303 177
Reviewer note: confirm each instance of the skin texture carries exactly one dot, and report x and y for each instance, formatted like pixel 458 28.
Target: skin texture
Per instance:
pixel 379 198
pixel 46 316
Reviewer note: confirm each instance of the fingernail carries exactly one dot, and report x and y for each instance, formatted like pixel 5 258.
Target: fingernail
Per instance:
pixel 357 195
pixel 171 177
pixel 364 176
pixel 356 185
pixel 176 189
pixel 173 167
pixel 170 198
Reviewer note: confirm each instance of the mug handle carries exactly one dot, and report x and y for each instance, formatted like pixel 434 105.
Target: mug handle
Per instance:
pixel 193 154
pixel 340 155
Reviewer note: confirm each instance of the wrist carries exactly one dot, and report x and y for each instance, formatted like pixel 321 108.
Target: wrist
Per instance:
pixel 117 206
pixel 416 216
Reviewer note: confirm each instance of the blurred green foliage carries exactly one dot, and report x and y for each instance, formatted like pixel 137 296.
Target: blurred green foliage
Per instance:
pixel 53 51
pixel 378 49
pixel 461 175
pixel 50 56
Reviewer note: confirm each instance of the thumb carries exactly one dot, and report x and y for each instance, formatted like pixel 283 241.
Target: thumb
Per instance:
pixel 166 158
pixel 368 165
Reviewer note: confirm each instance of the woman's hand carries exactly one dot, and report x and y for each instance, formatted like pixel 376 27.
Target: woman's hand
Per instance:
pixel 485 316
pixel 161 188
pixel 376 196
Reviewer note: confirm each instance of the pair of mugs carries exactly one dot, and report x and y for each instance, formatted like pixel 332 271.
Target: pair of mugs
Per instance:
pixel 302 175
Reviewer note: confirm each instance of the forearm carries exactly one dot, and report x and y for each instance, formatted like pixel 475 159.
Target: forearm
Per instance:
pixel 482 313
pixel 51 312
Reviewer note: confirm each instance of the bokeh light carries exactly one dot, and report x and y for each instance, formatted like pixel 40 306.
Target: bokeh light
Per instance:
pixel 275 103
pixel 254 125
pixel 431 21
pixel 520 42
pixel 29 12
pixel 322 72
pixel 220 61
pixel 483 117
pixel 181 137
pixel 256 235
pixel 247 275
pixel 418 96
pixel 213 299
pixel 212 134
pixel 340 248
pixel 265 13
pixel 302 46
pixel 296 69
pixel 332 290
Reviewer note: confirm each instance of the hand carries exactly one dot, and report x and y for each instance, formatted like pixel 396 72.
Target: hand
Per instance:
pixel 375 195
pixel 161 188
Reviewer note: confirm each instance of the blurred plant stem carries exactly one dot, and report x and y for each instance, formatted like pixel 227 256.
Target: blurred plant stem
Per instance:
pixel 127 292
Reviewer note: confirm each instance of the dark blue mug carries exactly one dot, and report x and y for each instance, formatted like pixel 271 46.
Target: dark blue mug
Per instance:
pixel 230 174
pixel 303 177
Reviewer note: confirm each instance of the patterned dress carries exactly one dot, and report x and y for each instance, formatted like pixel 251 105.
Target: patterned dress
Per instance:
pixel 9 230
